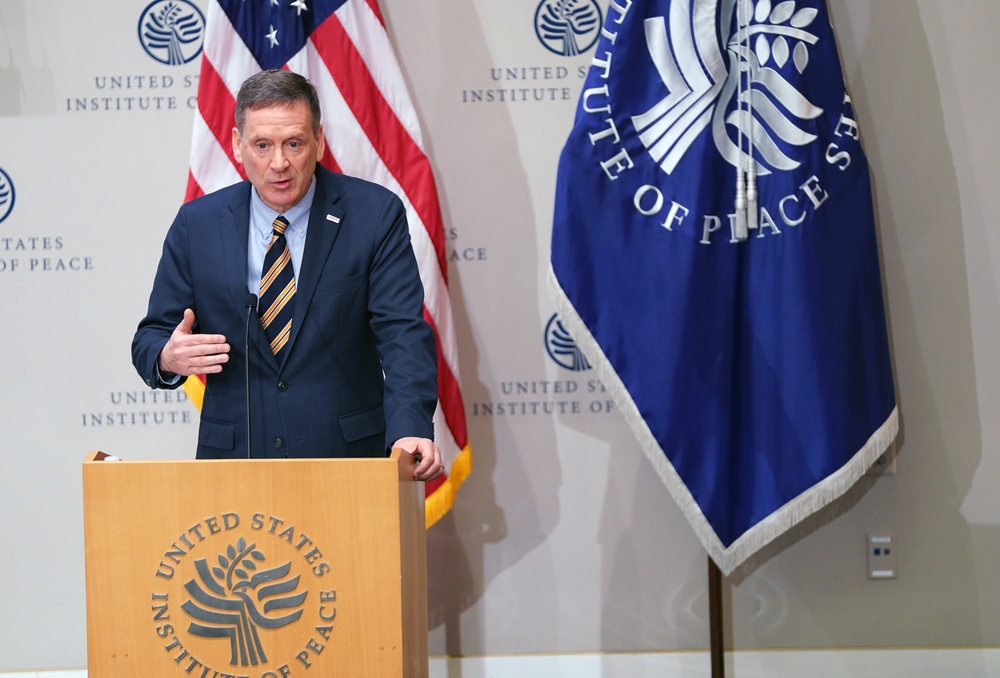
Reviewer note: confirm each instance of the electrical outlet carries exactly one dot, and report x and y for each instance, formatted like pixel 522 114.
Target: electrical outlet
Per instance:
pixel 886 463
pixel 881 556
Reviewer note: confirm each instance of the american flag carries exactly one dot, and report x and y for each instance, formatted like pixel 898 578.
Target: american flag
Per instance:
pixel 371 131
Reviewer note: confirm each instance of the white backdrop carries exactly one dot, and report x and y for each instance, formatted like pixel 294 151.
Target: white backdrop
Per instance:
pixel 563 539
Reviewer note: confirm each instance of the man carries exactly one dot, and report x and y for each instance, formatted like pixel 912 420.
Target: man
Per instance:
pixel 353 372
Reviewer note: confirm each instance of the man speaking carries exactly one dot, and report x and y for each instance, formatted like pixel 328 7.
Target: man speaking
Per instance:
pixel 313 272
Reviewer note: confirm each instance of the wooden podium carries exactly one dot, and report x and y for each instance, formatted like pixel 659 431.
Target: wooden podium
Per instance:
pixel 255 569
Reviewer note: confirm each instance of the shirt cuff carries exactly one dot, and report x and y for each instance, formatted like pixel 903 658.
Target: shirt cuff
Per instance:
pixel 162 381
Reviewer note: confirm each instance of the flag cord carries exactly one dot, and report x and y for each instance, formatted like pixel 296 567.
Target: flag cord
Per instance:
pixel 741 182
pixel 741 189
pixel 746 170
pixel 748 55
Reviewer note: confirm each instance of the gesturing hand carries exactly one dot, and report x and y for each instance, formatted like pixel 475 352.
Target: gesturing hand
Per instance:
pixel 186 353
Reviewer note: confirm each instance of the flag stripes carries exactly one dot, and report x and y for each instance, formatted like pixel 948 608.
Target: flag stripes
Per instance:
pixel 390 139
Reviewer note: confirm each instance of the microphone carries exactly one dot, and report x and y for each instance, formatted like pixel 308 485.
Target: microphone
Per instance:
pixel 251 306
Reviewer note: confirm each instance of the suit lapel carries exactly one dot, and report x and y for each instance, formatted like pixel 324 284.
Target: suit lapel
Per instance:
pixel 325 221
pixel 235 230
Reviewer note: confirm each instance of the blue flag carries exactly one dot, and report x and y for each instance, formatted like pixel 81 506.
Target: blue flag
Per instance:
pixel 714 254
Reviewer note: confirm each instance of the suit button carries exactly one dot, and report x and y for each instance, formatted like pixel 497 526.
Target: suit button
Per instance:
pixel 279 443
pixel 282 386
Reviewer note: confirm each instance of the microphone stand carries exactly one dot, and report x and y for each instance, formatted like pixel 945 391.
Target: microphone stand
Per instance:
pixel 251 305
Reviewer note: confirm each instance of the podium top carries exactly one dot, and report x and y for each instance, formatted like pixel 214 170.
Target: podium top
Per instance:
pixel 404 459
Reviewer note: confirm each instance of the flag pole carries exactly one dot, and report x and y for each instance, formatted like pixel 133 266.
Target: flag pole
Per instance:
pixel 716 636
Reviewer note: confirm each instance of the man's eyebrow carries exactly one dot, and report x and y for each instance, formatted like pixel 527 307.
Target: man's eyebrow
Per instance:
pixel 288 137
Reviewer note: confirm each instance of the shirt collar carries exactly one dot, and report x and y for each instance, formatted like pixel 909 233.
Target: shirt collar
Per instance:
pixel 263 216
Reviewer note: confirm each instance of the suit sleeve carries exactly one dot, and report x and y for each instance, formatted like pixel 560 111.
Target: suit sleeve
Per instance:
pixel 406 343
pixel 171 294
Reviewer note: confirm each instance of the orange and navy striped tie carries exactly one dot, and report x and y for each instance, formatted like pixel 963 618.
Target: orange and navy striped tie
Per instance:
pixel 277 289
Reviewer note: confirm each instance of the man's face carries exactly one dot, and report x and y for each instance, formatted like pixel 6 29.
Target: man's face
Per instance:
pixel 279 152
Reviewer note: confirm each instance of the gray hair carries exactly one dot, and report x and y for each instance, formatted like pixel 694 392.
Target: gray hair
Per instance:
pixel 275 87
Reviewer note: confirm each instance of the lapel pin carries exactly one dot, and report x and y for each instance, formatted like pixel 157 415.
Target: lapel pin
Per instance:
pixel 332 218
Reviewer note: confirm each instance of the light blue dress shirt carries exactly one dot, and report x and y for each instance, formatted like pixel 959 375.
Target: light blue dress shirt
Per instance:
pixel 261 218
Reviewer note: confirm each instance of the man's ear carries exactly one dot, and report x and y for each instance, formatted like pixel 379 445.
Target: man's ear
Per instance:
pixel 236 146
pixel 320 142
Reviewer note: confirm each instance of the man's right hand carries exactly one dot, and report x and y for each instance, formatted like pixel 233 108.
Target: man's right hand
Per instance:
pixel 186 353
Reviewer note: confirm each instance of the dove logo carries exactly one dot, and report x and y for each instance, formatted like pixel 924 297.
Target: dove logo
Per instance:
pixel 568 27
pixel 171 31
pixel 562 348
pixel 243 595
pixel 733 85
pixel 6 195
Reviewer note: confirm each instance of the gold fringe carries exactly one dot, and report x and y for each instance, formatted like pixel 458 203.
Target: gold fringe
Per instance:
pixel 439 503
pixel 195 390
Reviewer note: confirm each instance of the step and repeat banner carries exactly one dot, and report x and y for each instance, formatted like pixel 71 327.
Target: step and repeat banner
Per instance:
pixel 95 125
pixel 563 539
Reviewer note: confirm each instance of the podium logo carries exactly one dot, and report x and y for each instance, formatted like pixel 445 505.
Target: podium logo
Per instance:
pixel 232 600
pixel 256 582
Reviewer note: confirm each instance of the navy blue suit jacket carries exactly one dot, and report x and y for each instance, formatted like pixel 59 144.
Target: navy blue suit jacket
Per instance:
pixel 360 369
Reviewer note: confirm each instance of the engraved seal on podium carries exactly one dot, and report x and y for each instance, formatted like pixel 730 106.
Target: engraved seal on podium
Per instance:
pixel 231 588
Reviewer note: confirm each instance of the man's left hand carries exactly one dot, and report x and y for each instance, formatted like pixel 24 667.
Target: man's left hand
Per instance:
pixel 427 454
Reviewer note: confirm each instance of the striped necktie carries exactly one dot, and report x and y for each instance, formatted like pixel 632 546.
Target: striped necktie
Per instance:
pixel 277 289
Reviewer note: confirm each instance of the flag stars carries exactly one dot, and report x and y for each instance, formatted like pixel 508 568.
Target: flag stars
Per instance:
pixel 300 6
pixel 273 36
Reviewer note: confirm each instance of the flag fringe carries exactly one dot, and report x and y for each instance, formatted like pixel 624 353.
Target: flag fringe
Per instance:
pixel 815 498
pixel 195 389
pixel 441 501
pixel 764 532
pixel 437 504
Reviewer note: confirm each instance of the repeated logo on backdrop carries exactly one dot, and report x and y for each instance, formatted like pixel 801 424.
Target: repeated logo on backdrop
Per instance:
pixel 565 30
pixel 140 408
pixel 568 27
pixel 564 396
pixel 31 252
pixel 6 195
pixel 562 348
pixel 171 31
